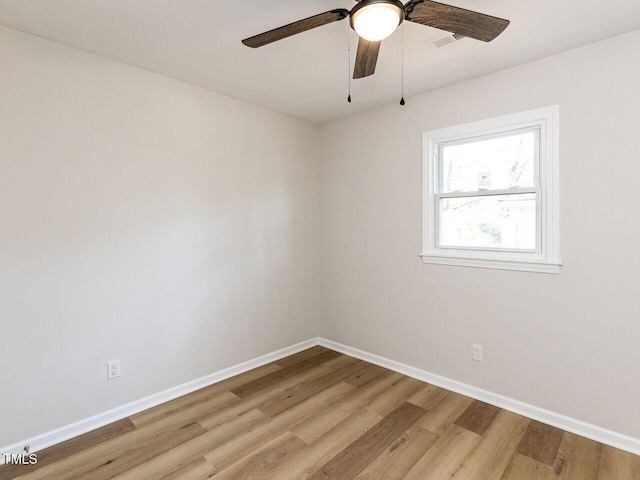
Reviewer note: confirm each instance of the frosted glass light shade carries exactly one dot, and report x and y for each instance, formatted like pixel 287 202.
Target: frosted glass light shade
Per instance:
pixel 377 21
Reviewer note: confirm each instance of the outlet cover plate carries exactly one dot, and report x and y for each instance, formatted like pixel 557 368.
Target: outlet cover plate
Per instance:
pixel 476 352
pixel 113 369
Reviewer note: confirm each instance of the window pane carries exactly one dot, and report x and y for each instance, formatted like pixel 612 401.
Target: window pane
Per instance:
pixel 492 163
pixel 495 222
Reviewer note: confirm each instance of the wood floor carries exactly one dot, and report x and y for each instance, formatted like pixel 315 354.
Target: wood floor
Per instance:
pixel 323 415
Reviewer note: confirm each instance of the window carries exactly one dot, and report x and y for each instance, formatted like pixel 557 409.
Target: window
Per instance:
pixel 491 193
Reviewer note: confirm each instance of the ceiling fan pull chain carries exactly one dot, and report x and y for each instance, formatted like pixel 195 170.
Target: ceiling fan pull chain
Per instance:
pixel 402 67
pixel 349 62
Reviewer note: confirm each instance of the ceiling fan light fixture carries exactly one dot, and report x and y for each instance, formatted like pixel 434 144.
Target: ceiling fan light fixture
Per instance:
pixel 375 20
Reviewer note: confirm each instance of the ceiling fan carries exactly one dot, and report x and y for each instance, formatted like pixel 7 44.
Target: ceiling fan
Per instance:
pixel 375 20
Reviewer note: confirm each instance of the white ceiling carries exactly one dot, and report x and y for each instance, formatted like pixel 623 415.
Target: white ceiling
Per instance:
pixel 306 75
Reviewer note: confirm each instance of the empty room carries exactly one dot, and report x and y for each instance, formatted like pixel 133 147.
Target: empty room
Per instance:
pixel 330 239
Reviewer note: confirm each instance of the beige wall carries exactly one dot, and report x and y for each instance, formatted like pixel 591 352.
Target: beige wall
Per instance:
pixel 143 219
pixel 567 342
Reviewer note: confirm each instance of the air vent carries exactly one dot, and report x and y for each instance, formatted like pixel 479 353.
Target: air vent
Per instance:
pixel 445 40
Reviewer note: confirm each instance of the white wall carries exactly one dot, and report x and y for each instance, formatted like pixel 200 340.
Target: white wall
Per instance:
pixel 566 342
pixel 143 219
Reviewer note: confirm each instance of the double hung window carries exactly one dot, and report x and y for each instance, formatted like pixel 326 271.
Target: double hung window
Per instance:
pixel 490 193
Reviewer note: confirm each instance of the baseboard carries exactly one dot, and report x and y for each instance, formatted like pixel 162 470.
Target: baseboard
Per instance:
pixel 599 434
pixel 58 435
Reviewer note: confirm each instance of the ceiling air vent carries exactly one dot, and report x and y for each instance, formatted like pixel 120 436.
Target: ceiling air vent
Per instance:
pixel 444 40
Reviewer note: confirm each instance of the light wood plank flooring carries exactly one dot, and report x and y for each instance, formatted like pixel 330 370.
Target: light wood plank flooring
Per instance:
pixel 321 415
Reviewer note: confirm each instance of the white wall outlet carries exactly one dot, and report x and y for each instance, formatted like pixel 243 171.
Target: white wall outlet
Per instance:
pixel 476 352
pixel 113 369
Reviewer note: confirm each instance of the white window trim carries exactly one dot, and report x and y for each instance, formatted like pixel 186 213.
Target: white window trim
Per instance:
pixel 547 259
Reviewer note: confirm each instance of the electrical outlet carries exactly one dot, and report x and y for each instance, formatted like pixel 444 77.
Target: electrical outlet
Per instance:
pixel 476 352
pixel 113 369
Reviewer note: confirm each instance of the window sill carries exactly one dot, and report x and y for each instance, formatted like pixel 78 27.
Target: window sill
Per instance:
pixel 525 265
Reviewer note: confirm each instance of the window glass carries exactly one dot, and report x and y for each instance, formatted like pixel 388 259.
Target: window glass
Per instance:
pixel 489 163
pixel 495 222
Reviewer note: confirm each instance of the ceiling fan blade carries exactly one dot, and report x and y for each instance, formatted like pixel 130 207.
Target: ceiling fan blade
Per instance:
pixel 296 27
pixel 366 58
pixel 454 19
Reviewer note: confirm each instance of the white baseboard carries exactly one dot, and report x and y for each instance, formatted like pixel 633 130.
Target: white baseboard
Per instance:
pixel 602 435
pixel 599 434
pixel 61 434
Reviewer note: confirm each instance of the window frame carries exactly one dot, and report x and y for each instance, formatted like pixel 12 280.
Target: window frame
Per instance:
pixel 545 258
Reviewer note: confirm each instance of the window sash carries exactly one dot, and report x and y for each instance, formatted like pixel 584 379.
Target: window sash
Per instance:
pixel 490 193
pixel 463 139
